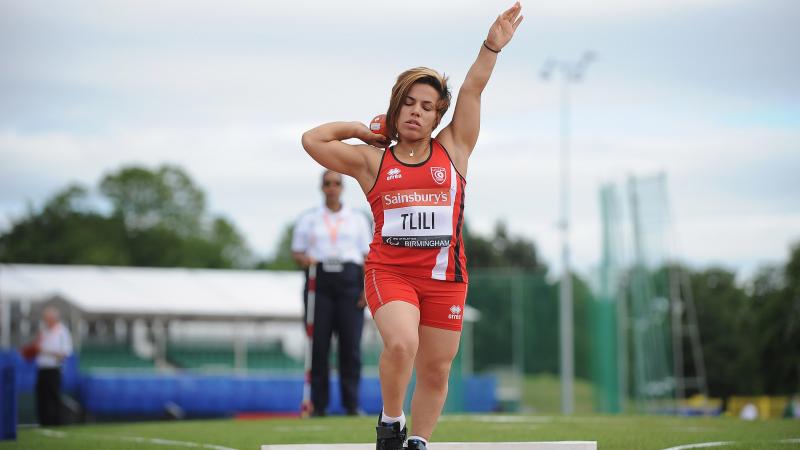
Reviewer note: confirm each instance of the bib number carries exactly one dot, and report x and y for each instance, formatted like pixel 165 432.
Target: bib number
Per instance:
pixel 417 218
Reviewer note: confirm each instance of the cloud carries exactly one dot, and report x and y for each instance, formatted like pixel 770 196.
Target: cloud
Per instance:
pixel 180 13
pixel 703 90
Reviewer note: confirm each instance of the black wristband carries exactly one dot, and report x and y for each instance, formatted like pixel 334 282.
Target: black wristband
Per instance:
pixel 490 48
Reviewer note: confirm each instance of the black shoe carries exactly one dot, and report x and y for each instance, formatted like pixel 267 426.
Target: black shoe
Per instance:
pixel 318 413
pixel 414 444
pixel 390 436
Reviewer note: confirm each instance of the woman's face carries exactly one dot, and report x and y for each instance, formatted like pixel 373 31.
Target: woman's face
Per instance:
pixel 417 117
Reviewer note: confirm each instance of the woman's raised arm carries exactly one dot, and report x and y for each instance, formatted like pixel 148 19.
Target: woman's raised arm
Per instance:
pixel 461 134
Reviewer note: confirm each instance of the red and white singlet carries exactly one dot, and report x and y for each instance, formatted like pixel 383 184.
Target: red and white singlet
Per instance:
pixel 418 211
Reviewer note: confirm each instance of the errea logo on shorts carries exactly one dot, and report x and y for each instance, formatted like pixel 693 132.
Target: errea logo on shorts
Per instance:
pixel 393 174
pixel 455 312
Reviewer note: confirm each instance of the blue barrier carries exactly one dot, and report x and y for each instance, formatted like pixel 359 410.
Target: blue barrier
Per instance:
pixel 8 398
pixel 224 395
pixel 479 394
pixel 205 395
pixel 26 373
pixel 25 382
pixel 147 394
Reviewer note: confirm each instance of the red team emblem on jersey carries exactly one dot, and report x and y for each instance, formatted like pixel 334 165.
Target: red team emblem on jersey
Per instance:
pixel 439 175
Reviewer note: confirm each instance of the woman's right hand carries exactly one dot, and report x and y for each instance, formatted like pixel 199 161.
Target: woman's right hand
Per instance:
pixel 374 139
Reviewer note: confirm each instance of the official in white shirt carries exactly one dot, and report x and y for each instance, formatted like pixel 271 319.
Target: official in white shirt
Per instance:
pixel 55 345
pixel 336 239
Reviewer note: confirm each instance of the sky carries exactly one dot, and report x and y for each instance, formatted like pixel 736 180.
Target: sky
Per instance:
pixel 704 91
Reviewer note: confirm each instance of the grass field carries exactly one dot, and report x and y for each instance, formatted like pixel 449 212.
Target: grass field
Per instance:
pixel 611 432
pixel 540 394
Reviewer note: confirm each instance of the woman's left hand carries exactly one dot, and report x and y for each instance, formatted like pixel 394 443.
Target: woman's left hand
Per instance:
pixel 502 30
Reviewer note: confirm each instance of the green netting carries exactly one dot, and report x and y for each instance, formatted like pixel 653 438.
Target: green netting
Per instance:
pixel 494 293
pixel 102 355
pixel 201 356
pixel 605 355
pixel 370 355
pixel 632 322
pixel 649 312
pixel 605 373
pixel 222 355
pixel 271 358
pixel 518 333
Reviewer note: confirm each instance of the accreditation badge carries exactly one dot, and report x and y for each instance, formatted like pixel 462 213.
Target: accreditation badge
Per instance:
pixel 333 262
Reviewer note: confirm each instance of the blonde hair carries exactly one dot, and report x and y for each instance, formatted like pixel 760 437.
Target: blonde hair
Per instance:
pixel 403 85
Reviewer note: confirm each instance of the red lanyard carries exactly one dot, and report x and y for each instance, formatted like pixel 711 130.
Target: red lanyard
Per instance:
pixel 333 230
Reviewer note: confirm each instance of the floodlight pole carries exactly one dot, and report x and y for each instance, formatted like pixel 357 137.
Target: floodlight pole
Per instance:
pixel 569 72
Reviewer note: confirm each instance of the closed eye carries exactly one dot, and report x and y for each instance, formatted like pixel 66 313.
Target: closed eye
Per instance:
pixel 426 105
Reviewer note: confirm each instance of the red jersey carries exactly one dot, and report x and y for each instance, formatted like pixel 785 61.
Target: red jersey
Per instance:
pixel 418 211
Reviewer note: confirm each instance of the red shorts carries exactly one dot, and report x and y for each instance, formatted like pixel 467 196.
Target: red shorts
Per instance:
pixel 440 303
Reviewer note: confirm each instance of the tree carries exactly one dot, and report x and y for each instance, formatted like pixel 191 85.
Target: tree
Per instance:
pixel 502 250
pixel 145 199
pixel 230 244
pixel 775 334
pixel 725 333
pixel 158 219
pixel 518 262
pixel 65 231
pixel 283 253
pixel 750 337
pixel 789 335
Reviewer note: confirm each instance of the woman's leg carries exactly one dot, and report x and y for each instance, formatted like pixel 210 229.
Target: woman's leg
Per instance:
pixel 437 348
pixel 398 324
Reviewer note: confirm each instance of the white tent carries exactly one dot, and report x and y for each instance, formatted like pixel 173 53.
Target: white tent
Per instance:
pixel 164 292
pixel 112 292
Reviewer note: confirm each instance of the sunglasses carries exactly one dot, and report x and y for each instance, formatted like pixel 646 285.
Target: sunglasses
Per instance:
pixel 332 183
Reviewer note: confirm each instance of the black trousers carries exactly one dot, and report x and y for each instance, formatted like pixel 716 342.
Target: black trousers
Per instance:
pixel 48 396
pixel 336 311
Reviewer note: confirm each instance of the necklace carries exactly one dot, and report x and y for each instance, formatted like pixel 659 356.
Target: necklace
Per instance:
pixel 412 152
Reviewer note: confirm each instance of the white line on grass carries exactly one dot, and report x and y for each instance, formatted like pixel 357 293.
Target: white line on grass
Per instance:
pixel 157 441
pixel 52 433
pixel 498 418
pixel 719 444
pixel 700 445
pixel 137 439
pixel 563 445
pixel 303 428
pixel 694 429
